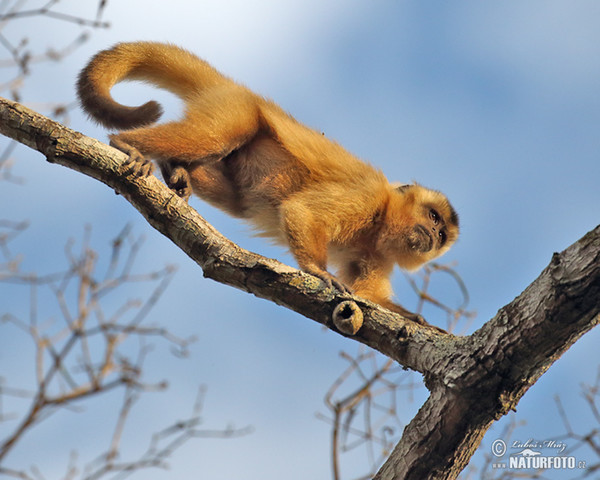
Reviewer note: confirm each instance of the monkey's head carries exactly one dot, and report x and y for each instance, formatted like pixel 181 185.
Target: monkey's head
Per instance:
pixel 420 225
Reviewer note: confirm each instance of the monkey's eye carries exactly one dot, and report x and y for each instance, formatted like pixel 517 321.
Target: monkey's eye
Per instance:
pixel 435 216
pixel 443 237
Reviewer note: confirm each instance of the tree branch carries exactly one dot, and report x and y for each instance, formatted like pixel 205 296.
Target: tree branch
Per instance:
pixel 473 380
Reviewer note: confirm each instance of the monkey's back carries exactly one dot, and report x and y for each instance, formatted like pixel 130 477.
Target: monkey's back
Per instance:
pixel 285 164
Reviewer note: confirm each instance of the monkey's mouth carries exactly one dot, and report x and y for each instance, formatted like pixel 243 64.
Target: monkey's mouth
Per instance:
pixel 420 239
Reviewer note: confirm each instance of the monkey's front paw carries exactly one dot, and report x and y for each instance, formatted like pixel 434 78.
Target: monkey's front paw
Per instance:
pixel 331 281
pixel 179 182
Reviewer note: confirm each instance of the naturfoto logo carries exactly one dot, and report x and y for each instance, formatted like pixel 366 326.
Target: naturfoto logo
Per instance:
pixel 531 455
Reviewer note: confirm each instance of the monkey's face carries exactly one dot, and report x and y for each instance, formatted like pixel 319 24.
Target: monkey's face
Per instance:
pixel 422 225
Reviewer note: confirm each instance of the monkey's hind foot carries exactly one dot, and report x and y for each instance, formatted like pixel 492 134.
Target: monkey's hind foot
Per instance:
pixel 178 180
pixel 136 164
pixel 415 317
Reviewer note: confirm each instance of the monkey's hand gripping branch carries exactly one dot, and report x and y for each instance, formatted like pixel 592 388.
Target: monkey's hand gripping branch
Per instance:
pixel 390 333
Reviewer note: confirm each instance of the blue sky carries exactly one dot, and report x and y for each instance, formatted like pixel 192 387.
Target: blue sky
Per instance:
pixel 494 103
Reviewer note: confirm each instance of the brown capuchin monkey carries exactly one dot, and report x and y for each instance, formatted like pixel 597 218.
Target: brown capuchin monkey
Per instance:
pixel 245 155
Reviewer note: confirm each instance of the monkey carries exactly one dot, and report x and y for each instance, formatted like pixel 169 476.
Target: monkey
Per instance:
pixel 245 155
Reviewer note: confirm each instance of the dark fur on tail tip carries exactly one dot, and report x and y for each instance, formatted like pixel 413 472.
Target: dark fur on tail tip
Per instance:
pixel 111 114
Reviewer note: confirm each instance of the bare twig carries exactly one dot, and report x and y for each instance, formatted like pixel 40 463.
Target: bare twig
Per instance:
pixel 89 342
pixel 20 58
pixel 161 447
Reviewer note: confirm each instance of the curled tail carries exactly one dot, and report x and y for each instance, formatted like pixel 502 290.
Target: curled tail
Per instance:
pixel 163 65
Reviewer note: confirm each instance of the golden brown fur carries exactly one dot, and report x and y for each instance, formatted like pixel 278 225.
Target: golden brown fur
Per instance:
pixel 245 155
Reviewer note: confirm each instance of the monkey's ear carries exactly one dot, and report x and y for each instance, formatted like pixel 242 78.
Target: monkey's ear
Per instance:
pixel 402 187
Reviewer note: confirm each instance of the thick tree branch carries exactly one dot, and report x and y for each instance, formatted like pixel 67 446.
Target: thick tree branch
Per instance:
pixel 473 380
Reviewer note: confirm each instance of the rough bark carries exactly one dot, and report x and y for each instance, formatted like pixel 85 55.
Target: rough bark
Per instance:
pixel 487 373
pixel 473 380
